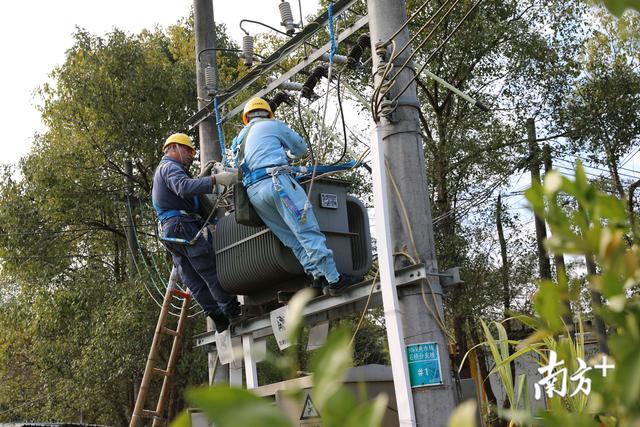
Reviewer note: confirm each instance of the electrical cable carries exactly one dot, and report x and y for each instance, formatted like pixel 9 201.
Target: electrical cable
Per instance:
pixel 586 160
pixel 260 23
pixel 395 55
pixel 344 126
pixel 366 307
pixel 428 37
pixel 304 130
pixel 426 62
pixel 271 28
pixel 627 160
pixel 476 200
pixel 403 209
pixel 383 68
pixel 333 51
pixel 159 275
pixel 407 22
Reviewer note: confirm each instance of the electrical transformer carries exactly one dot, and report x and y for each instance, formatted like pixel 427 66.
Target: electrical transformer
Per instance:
pixel 252 261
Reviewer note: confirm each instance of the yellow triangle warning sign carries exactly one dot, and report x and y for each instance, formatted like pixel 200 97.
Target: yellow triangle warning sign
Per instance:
pixel 309 410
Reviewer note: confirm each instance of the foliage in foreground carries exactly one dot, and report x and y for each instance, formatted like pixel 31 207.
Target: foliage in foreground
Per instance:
pixel 597 230
pixel 230 407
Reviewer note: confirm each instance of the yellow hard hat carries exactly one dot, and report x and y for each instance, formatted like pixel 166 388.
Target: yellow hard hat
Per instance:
pixel 179 138
pixel 253 105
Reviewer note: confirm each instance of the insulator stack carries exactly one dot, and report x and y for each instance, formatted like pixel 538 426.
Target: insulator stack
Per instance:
pixel 247 50
pixel 318 73
pixel 355 54
pixel 278 99
pixel 210 79
pixel 287 17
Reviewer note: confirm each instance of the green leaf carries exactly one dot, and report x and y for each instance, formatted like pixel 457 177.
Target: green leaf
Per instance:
pixel 549 302
pixel 617 7
pixel 329 366
pixel 368 414
pixel 464 415
pixel 233 407
pixel 182 420
pixel 295 311
pixel 338 407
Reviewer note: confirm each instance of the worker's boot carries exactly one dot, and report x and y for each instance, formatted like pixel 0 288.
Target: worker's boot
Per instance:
pixel 221 321
pixel 341 285
pixel 234 313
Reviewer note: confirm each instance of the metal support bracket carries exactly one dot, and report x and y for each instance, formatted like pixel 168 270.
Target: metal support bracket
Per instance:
pixel 323 308
pixel 448 277
pixel 274 59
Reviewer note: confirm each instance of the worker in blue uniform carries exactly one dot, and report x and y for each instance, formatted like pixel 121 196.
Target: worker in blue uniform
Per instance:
pixel 175 200
pixel 278 198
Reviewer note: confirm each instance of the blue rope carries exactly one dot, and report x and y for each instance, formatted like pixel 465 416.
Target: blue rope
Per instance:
pixel 220 134
pixel 334 46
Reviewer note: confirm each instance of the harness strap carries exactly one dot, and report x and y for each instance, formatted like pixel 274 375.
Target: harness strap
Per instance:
pixel 165 214
pixel 251 177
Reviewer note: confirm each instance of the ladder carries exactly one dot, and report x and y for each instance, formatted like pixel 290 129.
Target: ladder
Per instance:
pixel 151 370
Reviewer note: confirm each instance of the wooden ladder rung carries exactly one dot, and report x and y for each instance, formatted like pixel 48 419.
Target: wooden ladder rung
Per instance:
pixel 149 414
pixel 168 331
pixel 181 294
pixel 162 372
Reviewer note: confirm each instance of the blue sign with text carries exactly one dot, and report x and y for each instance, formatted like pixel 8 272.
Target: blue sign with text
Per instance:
pixel 424 364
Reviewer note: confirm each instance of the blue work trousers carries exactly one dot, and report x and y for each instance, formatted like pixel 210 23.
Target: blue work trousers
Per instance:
pixel 305 239
pixel 197 265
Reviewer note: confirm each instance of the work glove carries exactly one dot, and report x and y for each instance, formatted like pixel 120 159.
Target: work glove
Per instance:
pixel 225 178
pixel 206 170
pixel 290 155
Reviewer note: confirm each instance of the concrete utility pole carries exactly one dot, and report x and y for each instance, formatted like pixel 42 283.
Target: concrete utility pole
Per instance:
pixel 204 28
pixel 400 146
pixel 541 229
pixel 205 34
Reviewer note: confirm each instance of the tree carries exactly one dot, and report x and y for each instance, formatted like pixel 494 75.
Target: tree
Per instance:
pixel 601 115
pixel 77 321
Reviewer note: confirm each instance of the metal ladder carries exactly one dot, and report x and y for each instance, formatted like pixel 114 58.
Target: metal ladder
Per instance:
pixel 150 370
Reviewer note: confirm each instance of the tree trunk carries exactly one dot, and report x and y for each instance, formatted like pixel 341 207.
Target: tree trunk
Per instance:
pixel 596 303
pixel 558 259
pixel 613 169
pixel 541 229
pixel 632 220
pixel 504 270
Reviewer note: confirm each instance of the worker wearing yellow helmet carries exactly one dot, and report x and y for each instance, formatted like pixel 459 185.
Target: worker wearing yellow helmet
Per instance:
pixel 256 107
pixel 263 149
pixel 175 200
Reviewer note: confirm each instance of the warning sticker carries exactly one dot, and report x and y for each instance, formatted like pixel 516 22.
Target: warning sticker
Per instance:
pixel 277 324
pixel 309 411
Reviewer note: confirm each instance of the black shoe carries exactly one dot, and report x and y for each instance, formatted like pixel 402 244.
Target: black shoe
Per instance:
pixel 340 286
pixel 234 312
pixel 221 321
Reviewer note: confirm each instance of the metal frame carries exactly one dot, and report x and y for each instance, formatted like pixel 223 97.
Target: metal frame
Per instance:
pixel 392 314
pixel 271 61
pixel 322 308
pixel 314 56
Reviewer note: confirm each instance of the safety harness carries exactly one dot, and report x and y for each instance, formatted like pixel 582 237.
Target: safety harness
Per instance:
pixel 300 172
pixel 166 214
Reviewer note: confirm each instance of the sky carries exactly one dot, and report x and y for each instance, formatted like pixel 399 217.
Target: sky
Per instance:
pixel 34 36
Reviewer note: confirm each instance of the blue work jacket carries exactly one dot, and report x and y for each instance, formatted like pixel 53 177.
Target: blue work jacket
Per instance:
pixel 267 142
pixel 175 190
